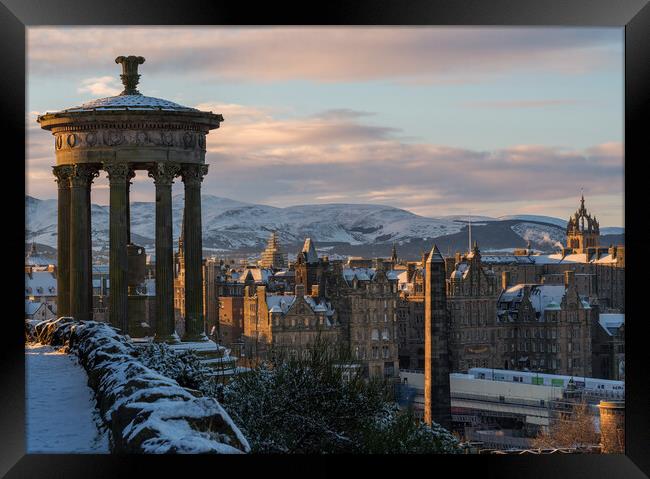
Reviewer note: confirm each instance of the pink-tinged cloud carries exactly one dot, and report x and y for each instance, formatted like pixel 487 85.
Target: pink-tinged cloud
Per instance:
pixel 329 54
pixel 335 156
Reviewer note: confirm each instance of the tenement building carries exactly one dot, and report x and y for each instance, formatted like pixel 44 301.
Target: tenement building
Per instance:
pixel 293 323
pixel 545 328
pixel 471 300
pixel 366 302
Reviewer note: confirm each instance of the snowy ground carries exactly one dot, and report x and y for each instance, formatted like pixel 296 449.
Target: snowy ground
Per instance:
pixel 60 410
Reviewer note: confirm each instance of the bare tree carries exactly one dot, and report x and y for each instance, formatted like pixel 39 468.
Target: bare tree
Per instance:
pixel 573 429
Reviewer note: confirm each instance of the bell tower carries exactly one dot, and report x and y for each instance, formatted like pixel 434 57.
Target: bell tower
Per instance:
pixel 582 231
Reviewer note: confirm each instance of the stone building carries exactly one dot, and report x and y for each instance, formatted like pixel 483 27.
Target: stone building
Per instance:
pixel 410 317
pixel 366 302
pixel 38 311
pixel 41 287
pixel 471 300
pixel 608 347
pixel 311 270
pixel 545 328
pixel 292 322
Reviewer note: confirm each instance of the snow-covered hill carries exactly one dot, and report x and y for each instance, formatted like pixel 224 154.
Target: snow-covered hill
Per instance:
pixel 235 225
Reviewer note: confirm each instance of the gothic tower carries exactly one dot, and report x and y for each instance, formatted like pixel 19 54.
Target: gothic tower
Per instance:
pixel 582 230
pixel 437 402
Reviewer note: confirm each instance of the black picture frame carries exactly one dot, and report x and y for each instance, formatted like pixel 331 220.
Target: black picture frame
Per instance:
pixel 633 15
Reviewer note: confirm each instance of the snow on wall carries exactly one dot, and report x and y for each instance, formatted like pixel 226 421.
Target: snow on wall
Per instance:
pixel 145 411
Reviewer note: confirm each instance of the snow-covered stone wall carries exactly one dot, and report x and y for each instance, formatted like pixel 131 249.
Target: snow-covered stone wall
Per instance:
pixel 145 411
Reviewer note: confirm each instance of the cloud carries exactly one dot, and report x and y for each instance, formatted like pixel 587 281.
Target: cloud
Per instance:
pixel 100 86
pixel 259 156
pixel 329 54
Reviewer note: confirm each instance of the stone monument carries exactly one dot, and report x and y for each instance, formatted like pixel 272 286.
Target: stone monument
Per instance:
pixel 119 135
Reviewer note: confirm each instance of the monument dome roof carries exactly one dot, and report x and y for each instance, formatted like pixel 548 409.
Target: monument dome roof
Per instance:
pixel 129 102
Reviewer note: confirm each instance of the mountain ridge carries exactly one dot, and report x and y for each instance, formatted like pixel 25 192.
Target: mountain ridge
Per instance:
pixel 346 228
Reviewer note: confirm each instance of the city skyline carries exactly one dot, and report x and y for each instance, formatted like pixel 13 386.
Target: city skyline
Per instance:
pixel 437 121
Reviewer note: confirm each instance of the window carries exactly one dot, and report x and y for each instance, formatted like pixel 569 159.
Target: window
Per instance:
pixel 385 352
pixel 385 335
pixel 375 352
pixel 375 335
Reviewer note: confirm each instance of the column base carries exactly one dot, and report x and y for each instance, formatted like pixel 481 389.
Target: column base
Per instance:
pixel 195 338
pixel 168 339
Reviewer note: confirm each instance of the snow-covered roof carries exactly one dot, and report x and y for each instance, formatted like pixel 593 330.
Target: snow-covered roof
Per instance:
pixel 41 283
pixel 542 296
pixel 322 307
pixel 284 273
pixel 541 259
pixel 36 260
pixel 362 274
pixel 390 274
pixel 279 303
pixel 32 306
pixel 282 303
pixel 129 102
pixel 259 275
pixel 461 271
pixel 402 277
pixel 611 322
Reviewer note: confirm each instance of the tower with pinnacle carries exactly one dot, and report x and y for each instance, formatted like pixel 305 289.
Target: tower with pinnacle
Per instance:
pixel 582 230
pixel 437 402
pixel 272 256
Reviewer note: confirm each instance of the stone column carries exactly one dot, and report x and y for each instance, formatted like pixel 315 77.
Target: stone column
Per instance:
pixel 118 177
pixel 193 252
pixel 163 175
pixel 437 397
pixel 80 246
pixel 63 173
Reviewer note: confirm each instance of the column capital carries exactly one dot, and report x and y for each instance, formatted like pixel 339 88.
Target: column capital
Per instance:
pixel 63 174
pixel 83 175
pixel 119 172
pixel 193 174
pixel 164 173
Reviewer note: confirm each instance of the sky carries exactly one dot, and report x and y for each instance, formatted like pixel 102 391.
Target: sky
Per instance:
pixel 436 120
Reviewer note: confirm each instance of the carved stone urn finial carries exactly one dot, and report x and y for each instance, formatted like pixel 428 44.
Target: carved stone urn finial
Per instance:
pixel 130 76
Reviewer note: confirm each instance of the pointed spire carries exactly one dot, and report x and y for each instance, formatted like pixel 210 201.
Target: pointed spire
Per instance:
pixel 310 251
pixel 470 233
pixel 393 255
pixel 435 256
pixel 181 238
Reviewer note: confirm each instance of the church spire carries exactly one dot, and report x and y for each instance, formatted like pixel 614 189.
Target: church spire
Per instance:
pixel 393 256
